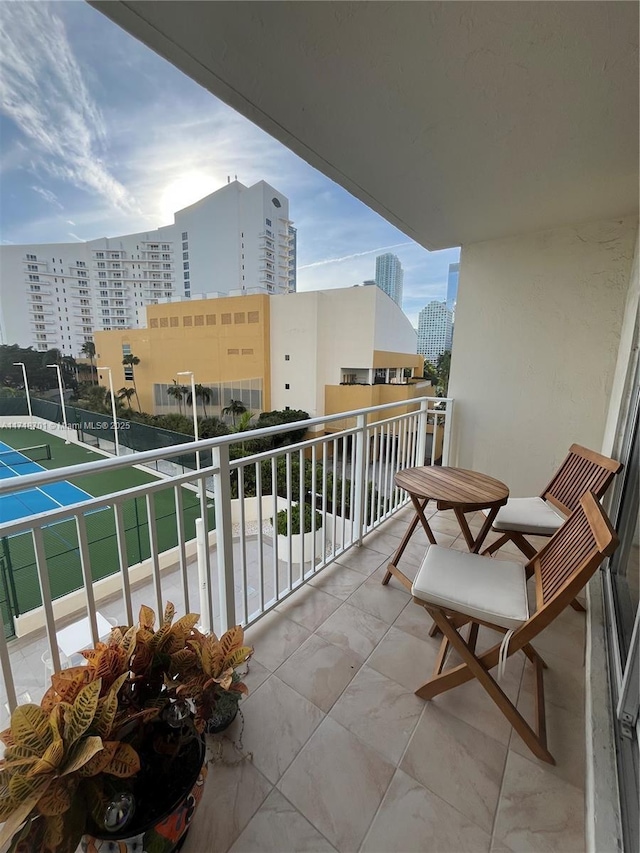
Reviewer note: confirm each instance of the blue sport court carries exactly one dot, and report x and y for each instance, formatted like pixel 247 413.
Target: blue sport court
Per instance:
pixel 20 504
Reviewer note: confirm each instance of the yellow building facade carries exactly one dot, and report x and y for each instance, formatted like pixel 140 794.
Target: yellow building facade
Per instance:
pixel 224 341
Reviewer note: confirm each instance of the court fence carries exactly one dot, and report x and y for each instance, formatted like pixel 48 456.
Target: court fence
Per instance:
pixel 96 430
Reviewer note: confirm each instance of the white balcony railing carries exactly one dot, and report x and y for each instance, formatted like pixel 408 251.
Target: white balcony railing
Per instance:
pixel 243 568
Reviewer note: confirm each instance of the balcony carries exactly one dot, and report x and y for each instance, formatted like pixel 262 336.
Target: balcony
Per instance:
pixel 344 755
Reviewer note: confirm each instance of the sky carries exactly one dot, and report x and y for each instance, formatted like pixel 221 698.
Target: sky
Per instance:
pixel 100 136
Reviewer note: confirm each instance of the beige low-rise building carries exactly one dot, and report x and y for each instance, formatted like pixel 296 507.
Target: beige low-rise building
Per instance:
pixel 323 352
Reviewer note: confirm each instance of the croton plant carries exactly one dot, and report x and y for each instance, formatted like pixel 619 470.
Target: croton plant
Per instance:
pixel 64 758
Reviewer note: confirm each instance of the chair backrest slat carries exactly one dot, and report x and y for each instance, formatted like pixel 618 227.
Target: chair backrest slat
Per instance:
pixel 582 471
pixel 573 554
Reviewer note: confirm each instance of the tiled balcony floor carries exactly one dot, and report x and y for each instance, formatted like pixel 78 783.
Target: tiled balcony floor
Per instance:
pixel 347 758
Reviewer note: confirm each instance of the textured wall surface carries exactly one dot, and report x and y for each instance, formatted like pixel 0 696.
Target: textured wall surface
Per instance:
pixel 538 327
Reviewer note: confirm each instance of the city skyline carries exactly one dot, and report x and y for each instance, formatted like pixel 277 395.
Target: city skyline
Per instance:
pixel 115 139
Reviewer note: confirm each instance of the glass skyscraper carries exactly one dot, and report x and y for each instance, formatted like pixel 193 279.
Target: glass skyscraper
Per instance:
pixel 389 276
pixel 452 285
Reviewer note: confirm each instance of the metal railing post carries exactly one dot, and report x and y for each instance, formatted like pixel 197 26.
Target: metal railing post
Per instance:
pixel 359 479
pixel 224 534
pixel 446 440
pixel 423 423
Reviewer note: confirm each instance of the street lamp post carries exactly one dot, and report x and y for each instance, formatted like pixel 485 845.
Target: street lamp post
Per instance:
pixel 26 385
pixel 195 411
pixel 62 403
pixel 116 440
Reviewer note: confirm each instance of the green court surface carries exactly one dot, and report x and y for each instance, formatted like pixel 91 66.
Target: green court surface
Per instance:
pixel 19 587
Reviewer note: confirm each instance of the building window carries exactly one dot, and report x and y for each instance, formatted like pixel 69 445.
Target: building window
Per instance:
pixel 286 386
pixel 187 276
pixel 268 221
pixel 185 245
pixel 33 267
pixel 34 278
pixel 247 352
pixel 286 358
pixel 153 323
pixel 233 352
pixel 174 321
pixel 185 236
pixel 185 265
pixel 239 317
pixel 211 319
pixel 128 374
pixel 225 319
pixel 32 257
pixel 253 316
pixel 164 322
pixel 187 321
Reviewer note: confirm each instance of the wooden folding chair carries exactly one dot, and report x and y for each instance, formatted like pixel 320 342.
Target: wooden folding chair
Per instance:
pixel 457 588
pixel 582 471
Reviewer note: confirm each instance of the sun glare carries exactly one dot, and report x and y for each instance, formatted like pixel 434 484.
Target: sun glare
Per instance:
pixel 184 191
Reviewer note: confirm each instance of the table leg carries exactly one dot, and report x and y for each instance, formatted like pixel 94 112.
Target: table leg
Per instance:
pixel 392 568
pixel 474 545
pixel 484 530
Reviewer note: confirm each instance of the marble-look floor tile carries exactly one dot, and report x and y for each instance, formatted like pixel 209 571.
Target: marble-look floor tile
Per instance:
pixel 471 703
pixel 364 560
pixel 565 637
pixel 458 763
pixel 337 580
pixel 278 828
pixel 383 602
pixel 379 712
pixel 566 741
pixel 353 630
pixel 274 638
pixel 415 820
pixel 415 620
pixel 538 811
pixel 320 671
pixel 278 722
pixel 337 782
pixel 232 795
pixel 253 674
pixel 404 658
pixel 563 682
pixel 309 607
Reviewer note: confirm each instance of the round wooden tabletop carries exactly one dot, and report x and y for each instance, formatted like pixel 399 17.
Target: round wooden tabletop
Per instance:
pixel 454 487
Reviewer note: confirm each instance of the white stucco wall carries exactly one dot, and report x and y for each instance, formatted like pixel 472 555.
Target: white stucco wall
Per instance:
pixel 325 331
pixel 538 328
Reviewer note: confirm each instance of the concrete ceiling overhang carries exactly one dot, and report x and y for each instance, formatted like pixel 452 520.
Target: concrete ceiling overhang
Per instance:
pixel 458 121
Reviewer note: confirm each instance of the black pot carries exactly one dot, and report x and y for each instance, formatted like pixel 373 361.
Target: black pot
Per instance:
pixel 162 820
pixel 219 722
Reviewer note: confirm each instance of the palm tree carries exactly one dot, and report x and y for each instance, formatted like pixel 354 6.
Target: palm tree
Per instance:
pixel 126 394
pixel 89 349
pixel 131 360
pixel 202 393
pixel 235 407
pixel 178 393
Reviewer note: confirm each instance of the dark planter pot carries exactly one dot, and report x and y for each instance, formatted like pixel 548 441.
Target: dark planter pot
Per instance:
pixel 172 813
pixel 219 722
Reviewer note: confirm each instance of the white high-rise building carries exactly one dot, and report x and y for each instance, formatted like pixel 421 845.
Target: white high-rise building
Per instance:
pixel 434 330
pixel 389 276
pixel 236 240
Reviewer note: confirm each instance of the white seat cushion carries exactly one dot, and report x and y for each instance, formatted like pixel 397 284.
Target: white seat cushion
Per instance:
pixel 492 590
pixel 528 515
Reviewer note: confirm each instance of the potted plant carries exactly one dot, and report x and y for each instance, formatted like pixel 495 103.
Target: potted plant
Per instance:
pixel 288 524
pixel 114 749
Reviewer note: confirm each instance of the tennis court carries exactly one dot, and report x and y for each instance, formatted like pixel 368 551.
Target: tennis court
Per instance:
pixel 19 586
pixel 24 502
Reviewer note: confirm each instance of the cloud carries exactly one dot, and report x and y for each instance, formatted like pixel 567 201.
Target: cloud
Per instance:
pixel 75 236
pixel 43 92
pixel 354 255
pixel 70 222
pixel 48 196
